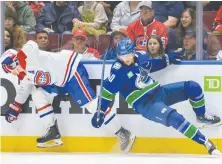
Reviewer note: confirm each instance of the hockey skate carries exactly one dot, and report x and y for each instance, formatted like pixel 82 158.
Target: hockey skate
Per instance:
pixel 51 139
pixel 126 138
pixel 212 149
pixel 207 120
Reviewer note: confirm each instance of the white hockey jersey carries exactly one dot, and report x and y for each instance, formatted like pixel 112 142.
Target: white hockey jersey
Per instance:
pixel 46 68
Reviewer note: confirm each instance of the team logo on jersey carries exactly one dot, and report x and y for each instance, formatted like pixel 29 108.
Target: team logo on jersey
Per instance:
pixel 141 42
pixel 42 78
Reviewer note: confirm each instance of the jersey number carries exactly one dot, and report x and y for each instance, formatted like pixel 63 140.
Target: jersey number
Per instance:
pixel 42 78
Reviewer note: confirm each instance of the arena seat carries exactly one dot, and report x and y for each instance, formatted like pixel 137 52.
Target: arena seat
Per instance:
pixel 208 19
pixel 103 43
pixel 67 41
pixel 53 40
pixel 214 44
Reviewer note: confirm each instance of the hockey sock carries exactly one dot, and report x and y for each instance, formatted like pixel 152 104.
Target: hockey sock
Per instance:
pixel 44 108
pixel 46 115
pixel 196 97
pixel 111 122
pixel 178 122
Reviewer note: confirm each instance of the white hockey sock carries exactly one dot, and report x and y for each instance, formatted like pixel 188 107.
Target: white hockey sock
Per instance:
pixel 111 122
pixel 43 101
pixel 46 115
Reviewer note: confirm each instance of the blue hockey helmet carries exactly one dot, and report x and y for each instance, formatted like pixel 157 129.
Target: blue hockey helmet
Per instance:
pixel 124 47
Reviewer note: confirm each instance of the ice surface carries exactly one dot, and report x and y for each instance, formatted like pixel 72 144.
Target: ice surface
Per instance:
pixel 76 158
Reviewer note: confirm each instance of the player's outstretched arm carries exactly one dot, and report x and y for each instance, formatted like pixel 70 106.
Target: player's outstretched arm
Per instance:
pixel 110 87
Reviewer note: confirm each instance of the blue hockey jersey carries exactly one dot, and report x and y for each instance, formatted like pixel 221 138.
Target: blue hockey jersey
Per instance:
pixel 133 82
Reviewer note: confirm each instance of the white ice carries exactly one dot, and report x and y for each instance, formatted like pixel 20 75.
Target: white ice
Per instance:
pixel 75 158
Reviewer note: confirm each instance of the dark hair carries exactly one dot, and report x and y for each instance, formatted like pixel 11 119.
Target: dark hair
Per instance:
pixel 161 51
pixel 11 45
pixel 41 31
pixel 182 30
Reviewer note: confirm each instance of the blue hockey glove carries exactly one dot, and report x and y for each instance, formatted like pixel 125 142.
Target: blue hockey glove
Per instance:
pixel 143 60
pixel 97 122
pixel 12 113
pixel 173 57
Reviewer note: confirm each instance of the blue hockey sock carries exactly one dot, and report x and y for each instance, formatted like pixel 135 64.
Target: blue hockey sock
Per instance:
pixel 178 122
pixel 196 97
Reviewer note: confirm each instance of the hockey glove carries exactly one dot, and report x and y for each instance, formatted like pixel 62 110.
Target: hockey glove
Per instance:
pixel 9 63
pixel 12 113
pixel 173 57
pixel 97 122
pixel 6 64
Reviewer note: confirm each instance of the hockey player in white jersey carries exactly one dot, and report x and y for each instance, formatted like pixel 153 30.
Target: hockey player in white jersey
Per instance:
pixel 78 87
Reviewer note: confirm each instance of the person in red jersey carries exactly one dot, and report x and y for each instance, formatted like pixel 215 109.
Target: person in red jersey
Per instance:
pixel 140 30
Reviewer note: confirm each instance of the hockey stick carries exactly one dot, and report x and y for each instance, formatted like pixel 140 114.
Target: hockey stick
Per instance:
pixel 102 77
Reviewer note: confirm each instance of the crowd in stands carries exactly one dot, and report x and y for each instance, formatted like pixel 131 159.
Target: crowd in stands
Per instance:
pixel 90 27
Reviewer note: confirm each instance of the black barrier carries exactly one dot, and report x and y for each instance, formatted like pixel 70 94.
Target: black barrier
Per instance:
pixel 74 109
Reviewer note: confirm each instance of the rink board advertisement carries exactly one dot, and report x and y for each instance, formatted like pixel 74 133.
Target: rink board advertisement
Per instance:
pixel 75 123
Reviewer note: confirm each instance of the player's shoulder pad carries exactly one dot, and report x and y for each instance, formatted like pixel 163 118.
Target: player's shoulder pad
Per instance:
pixel 116 65
pixel 8 53
pixel 30 46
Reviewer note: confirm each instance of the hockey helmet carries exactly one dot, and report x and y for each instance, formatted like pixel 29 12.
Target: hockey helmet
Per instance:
pixel 124 47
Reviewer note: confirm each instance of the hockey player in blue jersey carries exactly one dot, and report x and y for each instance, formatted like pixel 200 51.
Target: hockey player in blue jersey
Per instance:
pixel 130 75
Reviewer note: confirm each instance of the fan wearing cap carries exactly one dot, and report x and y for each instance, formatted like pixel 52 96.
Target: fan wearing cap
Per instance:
pixel 189 46
pixel 115 36
pixel 80 45
pixel 140 30
pixel 130 76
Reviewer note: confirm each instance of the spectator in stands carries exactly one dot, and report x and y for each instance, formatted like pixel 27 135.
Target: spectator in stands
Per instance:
pixel 115 36
pixel 25 16
pixel 8 41
pixel 217 25
pixel 168 12
pixel 35 6
pixel 155 47
pixel 42 39
pixel 140 30
pixel 188 22
pixel 11 25
pixel 57 17
pixel 80 46
pixel 125 13
pixel 94 19
pixel 189 46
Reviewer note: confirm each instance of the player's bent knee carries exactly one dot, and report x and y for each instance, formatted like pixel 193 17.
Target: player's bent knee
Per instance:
pixel 192 89
pixel 175 119
pixel 39 98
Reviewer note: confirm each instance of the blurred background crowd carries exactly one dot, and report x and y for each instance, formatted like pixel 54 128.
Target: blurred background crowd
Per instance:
pixel 88 27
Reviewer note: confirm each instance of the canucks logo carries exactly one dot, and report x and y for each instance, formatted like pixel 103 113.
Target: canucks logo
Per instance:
pixel 143 78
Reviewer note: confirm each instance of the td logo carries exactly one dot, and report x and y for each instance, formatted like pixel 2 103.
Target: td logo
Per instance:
pixel 212 83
